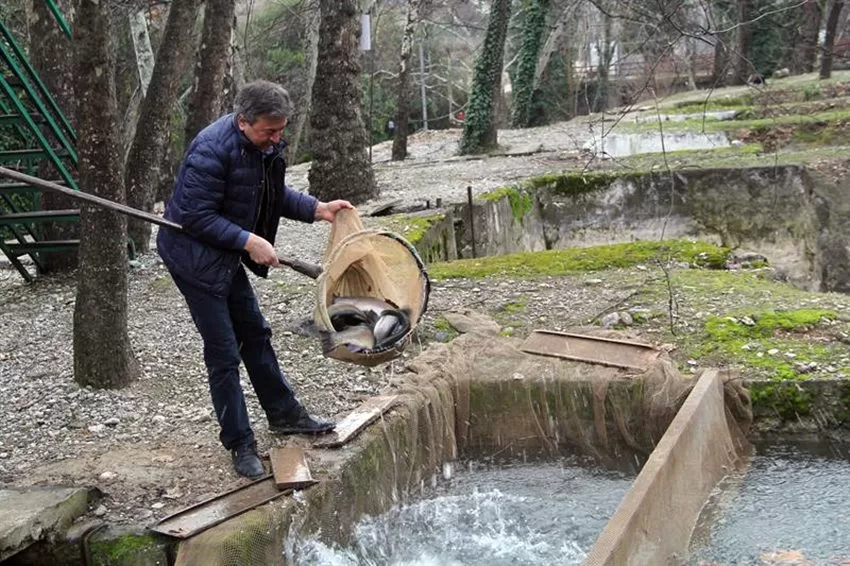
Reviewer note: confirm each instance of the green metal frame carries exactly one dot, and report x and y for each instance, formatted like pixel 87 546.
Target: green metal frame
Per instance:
pixel 31 111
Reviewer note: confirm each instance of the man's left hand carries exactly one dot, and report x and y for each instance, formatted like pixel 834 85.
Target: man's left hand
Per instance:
pixel 327 210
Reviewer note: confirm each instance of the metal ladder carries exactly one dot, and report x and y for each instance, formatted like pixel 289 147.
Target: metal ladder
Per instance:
pixel 33 131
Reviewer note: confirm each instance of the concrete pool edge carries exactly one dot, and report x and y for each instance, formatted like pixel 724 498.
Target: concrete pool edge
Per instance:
pixel 655 519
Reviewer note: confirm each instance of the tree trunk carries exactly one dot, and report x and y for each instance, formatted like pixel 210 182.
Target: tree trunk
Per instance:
pixel 234 75
pixel 145 163
pixel 479 129
pixel 552 43
pixel 808 48
pixel 102 353
pixel 338 138
pixel 402 114
pixel 48 55
pixel 210 66
pixel 523 85
pixel 742 61
pixel 314 19
pixel 829 40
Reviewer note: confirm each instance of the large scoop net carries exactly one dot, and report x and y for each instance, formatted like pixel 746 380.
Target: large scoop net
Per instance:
pixel 370 263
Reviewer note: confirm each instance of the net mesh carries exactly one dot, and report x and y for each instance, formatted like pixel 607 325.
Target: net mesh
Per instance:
pixel 370 263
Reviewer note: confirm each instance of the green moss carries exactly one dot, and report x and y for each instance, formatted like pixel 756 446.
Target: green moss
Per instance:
pixel 577 183
pixel 789 400
pixel 412 228
pixel 446 330
pixel 520 198
pixel 161 284
pixel 772 343
pixel 714 103
pixel 125 549
pixel 576 260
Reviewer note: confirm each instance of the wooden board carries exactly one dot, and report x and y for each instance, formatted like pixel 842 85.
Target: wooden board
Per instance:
pixel 196 518
pixel 356 421
pixel 290 468
pixel 593 349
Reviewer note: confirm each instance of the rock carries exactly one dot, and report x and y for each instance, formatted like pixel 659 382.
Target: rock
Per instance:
pixel 610 320
pixel 100 511
pixel 107 476
pixel 471 322
pixel 112 421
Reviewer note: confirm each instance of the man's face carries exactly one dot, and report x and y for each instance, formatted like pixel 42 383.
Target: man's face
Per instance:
pixel 263 133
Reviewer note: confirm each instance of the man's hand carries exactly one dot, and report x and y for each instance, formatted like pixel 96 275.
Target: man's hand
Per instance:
pixel 261 251
pixel 327 210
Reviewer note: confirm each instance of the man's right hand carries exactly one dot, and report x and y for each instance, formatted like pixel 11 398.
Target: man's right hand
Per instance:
pixel 261 251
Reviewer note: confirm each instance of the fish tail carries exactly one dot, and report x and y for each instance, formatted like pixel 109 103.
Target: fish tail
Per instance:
pixel 328 340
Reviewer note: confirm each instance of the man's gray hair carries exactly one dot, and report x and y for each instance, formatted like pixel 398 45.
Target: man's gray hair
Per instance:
pixel 262 98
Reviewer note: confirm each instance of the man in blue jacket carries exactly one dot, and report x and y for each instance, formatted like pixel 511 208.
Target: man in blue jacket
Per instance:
pixel 229 196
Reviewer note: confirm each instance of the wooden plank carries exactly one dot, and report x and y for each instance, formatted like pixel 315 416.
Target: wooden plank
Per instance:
pixel 593 349
pixel 200 517
pixel 290 468
pixel 356 421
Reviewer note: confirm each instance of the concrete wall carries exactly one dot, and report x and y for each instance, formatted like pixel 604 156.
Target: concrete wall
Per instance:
pixel 654 521
pixel 800 225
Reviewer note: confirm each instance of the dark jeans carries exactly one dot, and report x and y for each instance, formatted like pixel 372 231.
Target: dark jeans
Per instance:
pixel 234 329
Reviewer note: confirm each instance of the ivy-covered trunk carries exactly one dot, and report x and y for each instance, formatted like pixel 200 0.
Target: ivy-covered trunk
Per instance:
pixel 210 67
pixel 479 128
pixel 402 115
pixel 48 50
pixel 147 154
pixel 340 167
pixel 532 39
pixel 102 353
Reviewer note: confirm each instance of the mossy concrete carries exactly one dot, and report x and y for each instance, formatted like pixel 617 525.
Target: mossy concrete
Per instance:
pixel 782 213
pixel 39 513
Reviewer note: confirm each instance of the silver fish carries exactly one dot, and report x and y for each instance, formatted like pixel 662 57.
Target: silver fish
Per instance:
pixel 355 337
pixel 344 315
pixel 391 326
pixel 365 304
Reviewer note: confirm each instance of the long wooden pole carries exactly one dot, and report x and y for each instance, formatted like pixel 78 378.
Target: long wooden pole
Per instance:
pixel 309 269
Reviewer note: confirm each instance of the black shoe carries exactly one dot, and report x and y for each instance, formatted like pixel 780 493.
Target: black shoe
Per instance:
pixel 300 422
pixel 246 461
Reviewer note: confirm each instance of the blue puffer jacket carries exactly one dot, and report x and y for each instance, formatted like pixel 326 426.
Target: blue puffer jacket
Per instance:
pixel 216 200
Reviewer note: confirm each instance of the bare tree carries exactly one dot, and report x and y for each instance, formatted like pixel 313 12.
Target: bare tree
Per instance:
pixel 102 353
pixel 829 39
pixel 147 154
pixel 338 138
pixel 48 54
pixel 314 19
pixel 479 129
pixel 742 61
pixel 210 66
pixel 402 115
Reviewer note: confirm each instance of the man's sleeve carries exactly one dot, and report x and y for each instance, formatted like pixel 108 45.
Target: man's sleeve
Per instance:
pixel 203 192
pixel 299 206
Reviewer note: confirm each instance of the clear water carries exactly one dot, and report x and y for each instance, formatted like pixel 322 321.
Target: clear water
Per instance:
pixel 622 145
pixel 792 506
pixel 526 514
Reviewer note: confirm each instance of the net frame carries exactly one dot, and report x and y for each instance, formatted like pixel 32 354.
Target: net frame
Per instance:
pixel 337 265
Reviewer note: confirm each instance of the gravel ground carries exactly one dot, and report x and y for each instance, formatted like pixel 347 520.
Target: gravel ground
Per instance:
pixel 153 448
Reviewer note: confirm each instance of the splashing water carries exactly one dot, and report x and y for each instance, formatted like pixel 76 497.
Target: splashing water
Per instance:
pixel 530 515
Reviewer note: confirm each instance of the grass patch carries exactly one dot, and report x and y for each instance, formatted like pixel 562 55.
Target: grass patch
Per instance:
pixel 411 228
pixel 778 345
pixel 700 126
pixel 576 260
